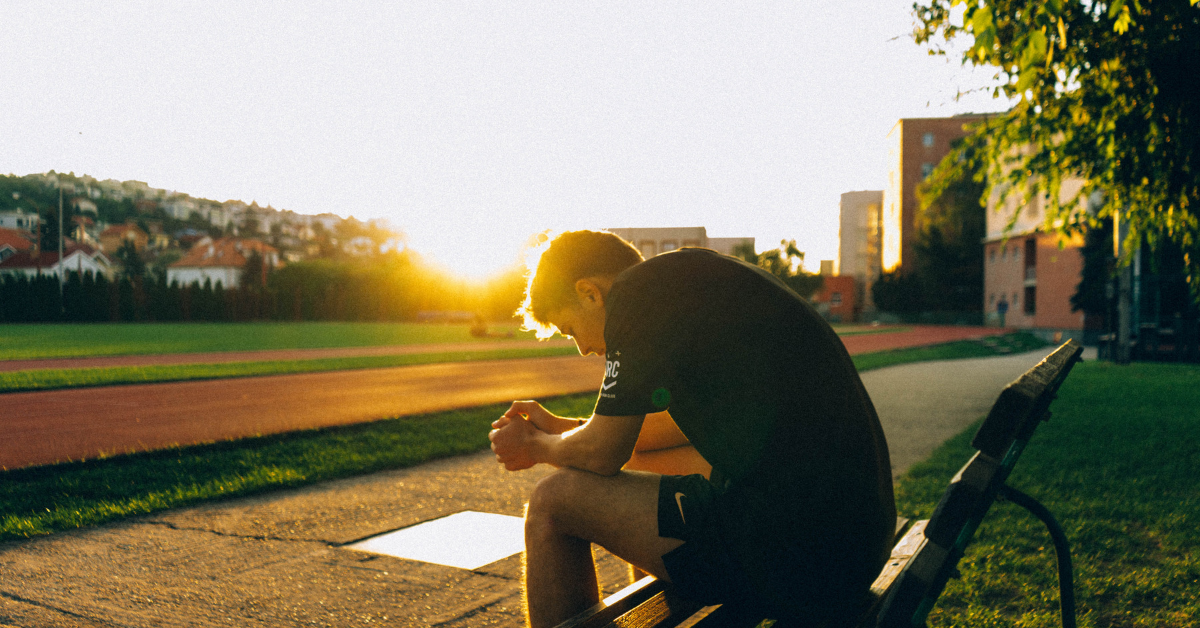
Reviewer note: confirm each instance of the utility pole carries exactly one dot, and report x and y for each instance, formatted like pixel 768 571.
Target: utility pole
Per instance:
pixel 62 269
pixel 1124 288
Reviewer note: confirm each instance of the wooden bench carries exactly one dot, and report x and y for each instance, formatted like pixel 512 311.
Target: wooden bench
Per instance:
pixel 926 553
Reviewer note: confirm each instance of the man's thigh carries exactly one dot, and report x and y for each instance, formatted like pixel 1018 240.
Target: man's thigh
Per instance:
pixel 619 513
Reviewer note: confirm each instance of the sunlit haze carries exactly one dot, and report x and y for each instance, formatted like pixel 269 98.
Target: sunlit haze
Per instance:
pixel 470 126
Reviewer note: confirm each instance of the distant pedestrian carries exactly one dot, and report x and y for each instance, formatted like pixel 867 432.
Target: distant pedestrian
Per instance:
pixel 1002 309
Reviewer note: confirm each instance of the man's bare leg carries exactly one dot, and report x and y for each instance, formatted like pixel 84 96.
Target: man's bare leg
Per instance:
pixel 567 512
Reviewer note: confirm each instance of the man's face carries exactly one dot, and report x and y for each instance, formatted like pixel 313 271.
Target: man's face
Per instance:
pixel 583 323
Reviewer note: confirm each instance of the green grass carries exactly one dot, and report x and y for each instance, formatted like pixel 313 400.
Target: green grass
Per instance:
pixel 42 500
pixel 1016 342
pixel 858 330
pixel 24 342
pixel 1119 466
pixel 49 379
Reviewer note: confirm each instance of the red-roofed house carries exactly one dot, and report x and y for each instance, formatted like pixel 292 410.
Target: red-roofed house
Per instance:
pixel 219 261
pixel 113 237
pixel 79 258
pixel 13 241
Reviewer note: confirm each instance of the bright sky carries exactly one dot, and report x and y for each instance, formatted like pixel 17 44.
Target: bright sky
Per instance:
pixel 472 125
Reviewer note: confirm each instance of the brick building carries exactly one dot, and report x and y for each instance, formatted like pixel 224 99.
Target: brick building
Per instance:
pixel 1033 272
pixel 915 146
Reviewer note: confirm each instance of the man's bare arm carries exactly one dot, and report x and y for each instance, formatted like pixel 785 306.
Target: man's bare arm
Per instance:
pixel 602 445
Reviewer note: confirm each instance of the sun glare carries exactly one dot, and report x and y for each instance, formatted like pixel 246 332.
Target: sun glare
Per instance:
pixel 473 258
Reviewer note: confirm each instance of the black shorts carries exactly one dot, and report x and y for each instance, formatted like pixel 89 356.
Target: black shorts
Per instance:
pixel 703 569
pixel 736 551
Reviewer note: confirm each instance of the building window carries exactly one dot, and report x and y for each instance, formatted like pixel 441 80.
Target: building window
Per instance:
pixel 927 140
pixel 992 256
pixel 926 170
pixel 647 248
pixel 991 298
pixel 668 245
pixel 835 299
pixel 1003 253
pixel 1031 300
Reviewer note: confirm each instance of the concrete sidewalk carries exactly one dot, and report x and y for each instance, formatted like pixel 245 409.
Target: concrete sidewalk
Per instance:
pixel 277 559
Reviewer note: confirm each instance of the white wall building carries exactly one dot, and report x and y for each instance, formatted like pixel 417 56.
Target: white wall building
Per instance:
pixel 652 241
pixel 219 261
pixel 20 219
pixel 76 258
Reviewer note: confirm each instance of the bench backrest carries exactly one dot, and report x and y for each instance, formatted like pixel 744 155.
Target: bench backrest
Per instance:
pixel 1000 440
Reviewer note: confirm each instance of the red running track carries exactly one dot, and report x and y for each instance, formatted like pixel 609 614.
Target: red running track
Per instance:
pixel 51 426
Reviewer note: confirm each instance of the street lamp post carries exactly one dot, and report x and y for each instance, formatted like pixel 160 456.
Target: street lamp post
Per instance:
pixel 62 269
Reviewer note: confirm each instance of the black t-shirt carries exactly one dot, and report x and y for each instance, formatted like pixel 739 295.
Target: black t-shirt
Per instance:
pixel 763 388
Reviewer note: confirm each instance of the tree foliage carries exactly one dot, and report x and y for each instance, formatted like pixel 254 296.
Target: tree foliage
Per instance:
pixel 1106 91
pixel 132 265
pixel 951 224
pixel 785 263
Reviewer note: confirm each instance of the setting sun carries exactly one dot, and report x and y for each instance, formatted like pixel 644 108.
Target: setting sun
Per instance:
pixel 475 255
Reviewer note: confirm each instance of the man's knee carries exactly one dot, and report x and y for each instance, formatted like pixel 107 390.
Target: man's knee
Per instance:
pixel 553 499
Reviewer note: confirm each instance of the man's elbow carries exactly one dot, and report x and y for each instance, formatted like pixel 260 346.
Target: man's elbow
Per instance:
pixel 607 468
pixel 603 462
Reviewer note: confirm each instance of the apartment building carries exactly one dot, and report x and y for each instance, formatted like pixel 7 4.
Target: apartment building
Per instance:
pixel 915 146
pixel 1028 273
pixel 652 241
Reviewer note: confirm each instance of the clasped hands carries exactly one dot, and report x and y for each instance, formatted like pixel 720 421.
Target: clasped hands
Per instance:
pixel 515 434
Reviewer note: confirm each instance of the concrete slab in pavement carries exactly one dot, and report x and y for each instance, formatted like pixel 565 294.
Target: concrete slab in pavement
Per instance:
pixel 277 559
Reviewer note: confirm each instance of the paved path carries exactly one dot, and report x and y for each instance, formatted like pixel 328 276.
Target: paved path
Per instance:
pixel 276 560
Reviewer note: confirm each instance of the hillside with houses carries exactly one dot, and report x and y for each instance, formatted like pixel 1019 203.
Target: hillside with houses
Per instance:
pixel 132 252
pixel 100 216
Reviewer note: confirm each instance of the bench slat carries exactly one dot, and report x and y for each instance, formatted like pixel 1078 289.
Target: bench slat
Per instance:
pixel 615 605
pixel 902 553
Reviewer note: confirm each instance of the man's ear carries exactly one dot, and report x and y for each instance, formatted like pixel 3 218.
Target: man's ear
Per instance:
pixel 589 292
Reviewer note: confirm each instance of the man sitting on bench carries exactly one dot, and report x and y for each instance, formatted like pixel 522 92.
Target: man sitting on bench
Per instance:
pixel 797 518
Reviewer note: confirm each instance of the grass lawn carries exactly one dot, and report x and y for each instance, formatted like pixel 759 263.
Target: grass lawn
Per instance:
pixel 851 329
pixel 1016 342
pixel 48 379
pixel 1119 466
pixel 22 342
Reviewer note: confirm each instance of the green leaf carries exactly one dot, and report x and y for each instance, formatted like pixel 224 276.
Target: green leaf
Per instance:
pixel 1026 79
pixel 1123 21
pixel 982 22
pixel 1035 50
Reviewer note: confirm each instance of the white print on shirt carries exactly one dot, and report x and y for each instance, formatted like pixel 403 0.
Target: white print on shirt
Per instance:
pixel 610 373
